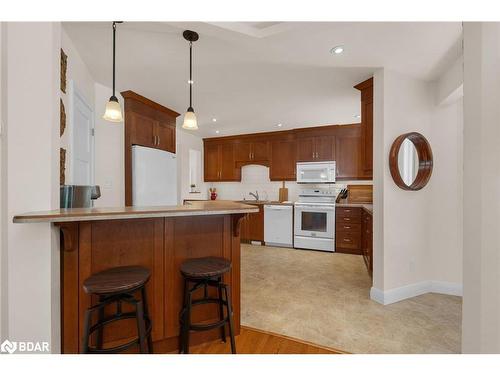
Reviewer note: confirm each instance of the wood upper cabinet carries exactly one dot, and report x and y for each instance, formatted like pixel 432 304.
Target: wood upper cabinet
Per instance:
pixel 366 160
pixel 228 170
pixel 165 133
pixel 252 151
pixel 219 162
pixel 147 124
pixel 142 129
pixel 320 148
pixel 347 157
pixel 283 159
pixel 211 162
pixel 305 149
pixel 343 144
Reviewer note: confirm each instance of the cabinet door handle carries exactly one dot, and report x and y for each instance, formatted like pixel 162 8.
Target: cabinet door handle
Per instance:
pixel 347 219
pixel 347 210
pixel 158 142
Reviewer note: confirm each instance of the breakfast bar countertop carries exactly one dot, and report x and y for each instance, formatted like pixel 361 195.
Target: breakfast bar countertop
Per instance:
pixel 192 208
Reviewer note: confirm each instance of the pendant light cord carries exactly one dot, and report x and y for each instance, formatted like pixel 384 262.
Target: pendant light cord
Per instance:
pixel 190 74
pixel 114 53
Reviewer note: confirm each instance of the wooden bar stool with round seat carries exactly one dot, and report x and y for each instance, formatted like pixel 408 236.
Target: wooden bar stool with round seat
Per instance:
pixel 117 285
pixel 203 273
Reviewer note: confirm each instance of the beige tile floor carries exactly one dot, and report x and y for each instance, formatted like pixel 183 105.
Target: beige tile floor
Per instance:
pixel 324 298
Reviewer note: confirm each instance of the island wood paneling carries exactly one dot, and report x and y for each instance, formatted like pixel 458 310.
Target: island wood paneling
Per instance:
pixel 161 244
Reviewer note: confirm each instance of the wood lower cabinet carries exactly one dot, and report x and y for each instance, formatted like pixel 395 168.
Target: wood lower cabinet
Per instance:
pixel 354 233
pixel 348 230
pixel 367 240
pixel 283 153
pixel 252 226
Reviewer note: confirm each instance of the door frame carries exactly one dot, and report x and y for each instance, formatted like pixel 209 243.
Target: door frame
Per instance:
pixel 75 93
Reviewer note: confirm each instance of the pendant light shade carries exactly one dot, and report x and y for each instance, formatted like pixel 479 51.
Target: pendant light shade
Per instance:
pixel 190 121
pixel 113 110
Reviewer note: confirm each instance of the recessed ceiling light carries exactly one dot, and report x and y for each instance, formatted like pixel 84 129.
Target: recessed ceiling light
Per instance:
pixel 214 120
pixel 217 132
pixel 279 125
pixel 337 50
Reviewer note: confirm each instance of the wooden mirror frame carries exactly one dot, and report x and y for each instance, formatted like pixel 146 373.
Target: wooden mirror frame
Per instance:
pixel 425 161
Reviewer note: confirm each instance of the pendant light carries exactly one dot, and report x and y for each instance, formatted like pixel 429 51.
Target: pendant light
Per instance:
pixel 113 110
pixel 190 118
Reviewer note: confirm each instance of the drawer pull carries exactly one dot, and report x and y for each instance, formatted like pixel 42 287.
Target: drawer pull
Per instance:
pixel 347 240
pixel 347 210
pixel 347 219
pixel 347 227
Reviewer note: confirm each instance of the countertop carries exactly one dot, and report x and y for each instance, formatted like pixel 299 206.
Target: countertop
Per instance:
pixel 367 206
pixel 192 208
pixel 274 203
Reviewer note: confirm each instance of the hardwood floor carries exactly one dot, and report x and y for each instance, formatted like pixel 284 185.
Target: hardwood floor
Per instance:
pixel 255 341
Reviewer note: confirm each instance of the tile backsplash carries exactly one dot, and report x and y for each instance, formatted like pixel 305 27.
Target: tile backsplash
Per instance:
pixel 256 178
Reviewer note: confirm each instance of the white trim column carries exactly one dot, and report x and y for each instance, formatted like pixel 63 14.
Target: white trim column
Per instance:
pixel 481 235
pixel 30 165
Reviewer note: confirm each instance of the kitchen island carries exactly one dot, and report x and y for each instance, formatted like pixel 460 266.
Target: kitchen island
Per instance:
pixel 159 238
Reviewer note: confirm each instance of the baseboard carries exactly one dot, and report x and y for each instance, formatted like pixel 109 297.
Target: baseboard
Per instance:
pixel 408 291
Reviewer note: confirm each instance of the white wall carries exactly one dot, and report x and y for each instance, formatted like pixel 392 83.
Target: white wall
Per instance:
pixel 481 180
pixel 109 152
pixel 30 167
pixel 417 243
pixel 184 142
pixel 446 196
pixel 3 180
pixel 78 77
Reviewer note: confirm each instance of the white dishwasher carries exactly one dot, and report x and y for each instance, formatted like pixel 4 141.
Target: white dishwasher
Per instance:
pixel 278 225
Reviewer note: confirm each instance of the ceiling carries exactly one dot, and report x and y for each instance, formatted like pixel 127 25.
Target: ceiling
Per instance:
pixel 251 76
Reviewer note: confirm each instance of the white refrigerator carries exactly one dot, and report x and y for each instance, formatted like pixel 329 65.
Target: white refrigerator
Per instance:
pixel 154 177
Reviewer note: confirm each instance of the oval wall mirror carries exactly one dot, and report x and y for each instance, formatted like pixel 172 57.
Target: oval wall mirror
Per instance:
pixel 410 161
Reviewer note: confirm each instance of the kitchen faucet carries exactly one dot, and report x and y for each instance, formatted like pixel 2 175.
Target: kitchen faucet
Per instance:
pixel 256 195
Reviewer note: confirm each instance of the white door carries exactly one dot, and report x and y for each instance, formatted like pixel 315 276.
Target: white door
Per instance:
pixel 82 151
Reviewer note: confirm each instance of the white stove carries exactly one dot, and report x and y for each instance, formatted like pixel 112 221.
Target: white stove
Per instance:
pixel 315 219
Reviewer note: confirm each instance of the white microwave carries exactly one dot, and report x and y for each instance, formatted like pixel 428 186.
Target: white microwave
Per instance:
pixel 320 172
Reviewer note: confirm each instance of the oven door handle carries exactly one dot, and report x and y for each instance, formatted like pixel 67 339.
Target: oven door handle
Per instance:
pixel 319 208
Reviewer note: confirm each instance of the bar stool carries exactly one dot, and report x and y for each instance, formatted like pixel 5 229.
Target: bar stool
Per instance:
pixel 117 285
pixel 203 273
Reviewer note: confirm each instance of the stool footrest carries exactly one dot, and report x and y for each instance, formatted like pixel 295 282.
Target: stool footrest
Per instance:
pixel 206 327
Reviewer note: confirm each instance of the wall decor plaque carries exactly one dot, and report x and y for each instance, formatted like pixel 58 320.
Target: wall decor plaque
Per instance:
pixel 62 166
pixel 64 66
pixel 62 120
